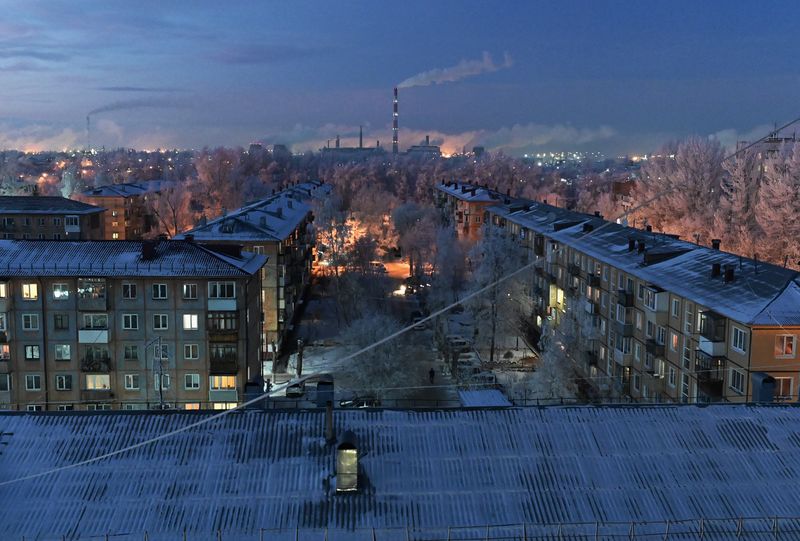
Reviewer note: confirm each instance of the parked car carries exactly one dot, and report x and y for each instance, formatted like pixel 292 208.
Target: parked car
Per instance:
pixel 360 402
pixel 296 390
pixel 483 378
pixel 377 266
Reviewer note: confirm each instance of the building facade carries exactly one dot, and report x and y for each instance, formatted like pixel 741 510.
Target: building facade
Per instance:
pixel 279 226
pixel 464 206
pixel 653 317
pixel 129 215
pixel 126 325
pixel 49 218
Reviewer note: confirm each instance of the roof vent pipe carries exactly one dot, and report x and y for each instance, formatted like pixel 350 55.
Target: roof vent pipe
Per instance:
pixel 716 270
pixel 641 247
pixel 631 244
pixel 715 244
pixel 649 228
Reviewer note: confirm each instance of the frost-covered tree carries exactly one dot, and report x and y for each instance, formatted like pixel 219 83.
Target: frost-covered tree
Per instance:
pixel 776 208
pixel 735 217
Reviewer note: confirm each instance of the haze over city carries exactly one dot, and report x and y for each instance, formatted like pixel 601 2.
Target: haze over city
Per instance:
pixel 523 77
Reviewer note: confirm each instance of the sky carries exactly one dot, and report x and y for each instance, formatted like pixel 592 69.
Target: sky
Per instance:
pixel 524 77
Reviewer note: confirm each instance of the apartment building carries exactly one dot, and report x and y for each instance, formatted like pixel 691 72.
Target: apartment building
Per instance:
pixel 126 325
pixel 129 216
pixel 654 317
pixel 48 217
pixel 280 227
pixel 464 206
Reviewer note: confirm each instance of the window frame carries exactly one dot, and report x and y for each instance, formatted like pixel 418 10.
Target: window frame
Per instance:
pixel 195 382
pixel 163 322
pixel 160 291
pixel 741 332
pixel 785 355
pixel 31 318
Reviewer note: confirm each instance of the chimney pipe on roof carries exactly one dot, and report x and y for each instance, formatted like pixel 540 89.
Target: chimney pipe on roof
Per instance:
pixel 631 244
pixel 649 228
pixel 189 237
pixel 729 276
pixel 715 270
pixel 715 244
pixel 597 213
pixel 427 140
pixel 641 247
pixel 148 250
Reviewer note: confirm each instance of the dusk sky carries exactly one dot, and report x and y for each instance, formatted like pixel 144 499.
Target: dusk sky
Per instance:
pixel 614 77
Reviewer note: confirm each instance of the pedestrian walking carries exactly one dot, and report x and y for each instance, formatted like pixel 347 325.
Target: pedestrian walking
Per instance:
pixel 431 374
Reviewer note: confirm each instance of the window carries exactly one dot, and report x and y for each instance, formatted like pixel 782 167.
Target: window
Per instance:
pixel 637 352
pixel 189 291
pixel 34 407
pixel 222 321
pixel 191 351
pixel 783 389
pixel 32 353
pixel 61 322
pixel 221 290
pixel 3 290
pixel 30 292
pixel 66 407
pixel 3 321
pixel 164 381
pixel 162 353
pixel 95 321
pixel 672 374
pixel 160 322
pixel 673 341
pixel 661 334
pixel 128 291
pixel 33 382
pixel 30 322
pixel 5 382
pixel 97 353
pixel 131 353
pixel 739 340
pixel 222 352
pixel 92 289
pixel 115 236
pixel 63 352
pixel 71 221
pixel 41 221
pixel 130 322
pixel 56 221
pixel 687 354
pixel 737 380
pixel 639 321
pixel 637 382
pixel 676 307
pixel 63 382
pixel 98 382
pixel 222 383
pixel 650 329
pixel 688 320
pixel 60 292
pixel 650 299
pixel 685 388
pixel 191 381
pixel 98 407
pixel 131 382
pixel 159 291
pixel 785 346
pixel 189 322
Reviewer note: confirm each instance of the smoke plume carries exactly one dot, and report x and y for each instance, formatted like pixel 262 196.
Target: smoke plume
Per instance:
pixel 142 103
pixel 462 70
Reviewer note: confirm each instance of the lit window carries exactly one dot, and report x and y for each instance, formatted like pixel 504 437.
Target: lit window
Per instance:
pixel 115 236
pixel 3 291
pixel 98 382
pixel 30 292
pixel 190 322
pixel 93 289
pixel 60 292
pixel 32 353
pixel 191 406
pixel 222 383
pixel 785 346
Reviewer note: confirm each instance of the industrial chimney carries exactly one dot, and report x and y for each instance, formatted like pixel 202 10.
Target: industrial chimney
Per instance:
pixel 394 124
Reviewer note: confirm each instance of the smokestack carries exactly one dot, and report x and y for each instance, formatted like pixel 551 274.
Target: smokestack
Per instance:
pixel 88 134
pixel 427 140
pixel 337 141
pixel 394 124
pixel 360 137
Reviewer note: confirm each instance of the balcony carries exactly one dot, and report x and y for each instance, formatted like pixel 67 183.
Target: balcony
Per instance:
pixel 221 305
pixel 712 333
pixel 93 336
pixel 592 358
pixel 3 337
pixel 573 269
pixel 593 280
pixel 624 329
pixel 223 395
pixel 625 298
pixel 96 395
pixel 223 335
pixel 711 348
pixel 96 364
pixel 224 364
pixel 654 348
pixel 710 372
pixel 621 358
pixel 591 307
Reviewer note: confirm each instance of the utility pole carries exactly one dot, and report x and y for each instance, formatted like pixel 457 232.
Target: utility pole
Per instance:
pixel 299 358
pixel 157 355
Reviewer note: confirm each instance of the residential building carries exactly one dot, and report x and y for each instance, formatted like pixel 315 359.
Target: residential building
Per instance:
pixel 126 325
pixel 129 215
pixel 280 227
pixel 49 218
pixel 722 472
pixel 658 318
pixel 464 206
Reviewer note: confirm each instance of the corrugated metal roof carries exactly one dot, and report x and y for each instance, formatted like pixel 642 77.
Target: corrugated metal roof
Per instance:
pixel 469 192
pixel 120 258
pixel 423 469
pixel 41 204
pixel 129 189
pixel 483 398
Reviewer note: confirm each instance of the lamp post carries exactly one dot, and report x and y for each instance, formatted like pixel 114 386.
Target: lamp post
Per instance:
pixel 160 357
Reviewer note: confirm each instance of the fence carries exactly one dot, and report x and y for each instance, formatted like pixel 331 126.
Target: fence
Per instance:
pixel 703 529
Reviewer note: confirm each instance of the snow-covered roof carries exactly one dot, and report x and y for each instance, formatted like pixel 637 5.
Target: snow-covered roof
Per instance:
pixel 128 189
pixel 41 204
pixel 675 265
pixel 421 469
pixel 469 192
pixel 271 219
pixel 483 398
pixel 120 258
